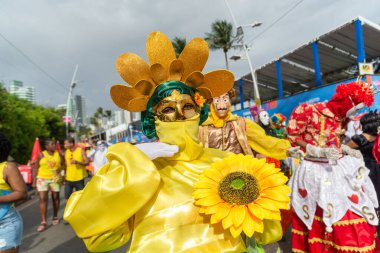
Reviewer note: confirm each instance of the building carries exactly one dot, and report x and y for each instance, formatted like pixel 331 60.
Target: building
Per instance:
pixel 80 104
pixel 23 92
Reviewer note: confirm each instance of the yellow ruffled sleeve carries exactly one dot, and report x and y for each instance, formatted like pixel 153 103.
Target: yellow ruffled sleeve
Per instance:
pixel 267 145
pixel 102 213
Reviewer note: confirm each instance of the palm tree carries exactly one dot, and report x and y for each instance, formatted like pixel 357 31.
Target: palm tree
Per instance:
pixel 178 44
pixel 221 37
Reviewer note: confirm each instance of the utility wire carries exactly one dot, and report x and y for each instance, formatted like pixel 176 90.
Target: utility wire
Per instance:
pixel 277 20
pixel 34 63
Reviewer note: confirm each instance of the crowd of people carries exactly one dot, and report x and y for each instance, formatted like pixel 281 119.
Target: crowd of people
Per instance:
pixel 213 182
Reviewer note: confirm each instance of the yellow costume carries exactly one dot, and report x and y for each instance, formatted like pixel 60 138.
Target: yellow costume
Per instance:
pixel 240 135
pixel 150 202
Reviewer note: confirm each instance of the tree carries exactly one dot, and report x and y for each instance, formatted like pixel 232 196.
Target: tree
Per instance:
pixel 178 44
pixel 221 37
pixel 22 121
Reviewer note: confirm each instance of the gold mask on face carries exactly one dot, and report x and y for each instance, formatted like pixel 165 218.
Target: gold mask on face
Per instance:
pixel 175 107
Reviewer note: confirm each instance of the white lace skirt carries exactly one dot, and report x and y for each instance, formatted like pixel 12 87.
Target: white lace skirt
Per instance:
pixel 334 188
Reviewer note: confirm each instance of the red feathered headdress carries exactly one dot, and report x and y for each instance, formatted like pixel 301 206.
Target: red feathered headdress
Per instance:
pixel 358 92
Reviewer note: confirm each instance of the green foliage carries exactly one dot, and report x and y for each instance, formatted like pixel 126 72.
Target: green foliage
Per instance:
pixel 221 37
pixel 22 121
pixel 178 44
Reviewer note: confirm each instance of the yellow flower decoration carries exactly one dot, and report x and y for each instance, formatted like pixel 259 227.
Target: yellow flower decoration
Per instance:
pixel 241 192
pixel 199 100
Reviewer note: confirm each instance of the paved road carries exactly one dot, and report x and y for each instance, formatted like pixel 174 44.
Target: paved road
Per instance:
pixel 62 239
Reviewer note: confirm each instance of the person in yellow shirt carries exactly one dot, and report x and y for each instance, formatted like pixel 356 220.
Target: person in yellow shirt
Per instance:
pixel 76 162
pixel 49 166
pixel 12 189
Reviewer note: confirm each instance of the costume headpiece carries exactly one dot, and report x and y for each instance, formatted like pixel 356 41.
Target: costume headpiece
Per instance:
pixel 164 67
pixel 278 119
pixel 358 92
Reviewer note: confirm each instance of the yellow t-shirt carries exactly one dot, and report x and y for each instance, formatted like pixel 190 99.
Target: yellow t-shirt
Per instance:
pixel 74 172
pixel 3 185
pixel 49 164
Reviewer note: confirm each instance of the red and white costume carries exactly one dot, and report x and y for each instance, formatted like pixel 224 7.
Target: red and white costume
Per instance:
pixel 334 204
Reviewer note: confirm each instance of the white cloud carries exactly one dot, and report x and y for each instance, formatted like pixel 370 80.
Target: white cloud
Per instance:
pixel 92 33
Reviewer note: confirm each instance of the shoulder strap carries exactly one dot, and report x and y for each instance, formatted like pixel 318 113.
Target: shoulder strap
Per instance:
pixel 241 134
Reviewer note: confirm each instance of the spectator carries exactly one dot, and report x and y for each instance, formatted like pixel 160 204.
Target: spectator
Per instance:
pixel 99 156
pixel 49 166
pixel 76 161
pixel 12 188
pixel 365 142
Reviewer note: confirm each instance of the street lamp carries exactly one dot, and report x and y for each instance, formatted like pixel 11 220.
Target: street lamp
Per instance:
pixel 240 33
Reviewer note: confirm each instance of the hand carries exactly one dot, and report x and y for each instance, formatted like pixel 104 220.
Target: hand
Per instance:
pixel 157 149
pixel 329 153
pixel 295 152
pixel 352 152
pixel 72 161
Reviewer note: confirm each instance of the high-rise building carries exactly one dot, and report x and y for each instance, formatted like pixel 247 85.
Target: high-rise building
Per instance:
pixel 119 117
pixel 25 92
pixel 81 117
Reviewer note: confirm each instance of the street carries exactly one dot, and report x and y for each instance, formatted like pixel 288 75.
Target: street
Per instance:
pixel 62 239
pixel 58 239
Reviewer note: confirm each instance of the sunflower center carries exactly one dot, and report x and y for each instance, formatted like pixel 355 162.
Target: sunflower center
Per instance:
pixel 239 188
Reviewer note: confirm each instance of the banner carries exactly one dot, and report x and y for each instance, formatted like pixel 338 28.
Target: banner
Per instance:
pixel 286 105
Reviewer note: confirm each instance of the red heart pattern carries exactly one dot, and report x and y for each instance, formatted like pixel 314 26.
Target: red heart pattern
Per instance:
pixel 354 198
pixel 302 192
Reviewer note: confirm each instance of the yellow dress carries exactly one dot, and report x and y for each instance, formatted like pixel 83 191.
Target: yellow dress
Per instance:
pixel 152 199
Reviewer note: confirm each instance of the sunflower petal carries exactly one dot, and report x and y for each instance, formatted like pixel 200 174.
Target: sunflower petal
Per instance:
pixel 248 225
pixel 256 211
pixel 222 211
pixel 236 231
pixel 227 221
pixel 238 215
pixel 273 193
pixel 205 184
pixel 209 201
pixel 202 193
pixel 267 171
pixel 213 174
pixel 266 203
pixel 211 209
pixel 213 219
pixel 272 215
pixel 272 181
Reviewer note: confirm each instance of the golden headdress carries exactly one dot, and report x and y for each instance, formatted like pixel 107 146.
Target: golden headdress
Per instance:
pixel 164 66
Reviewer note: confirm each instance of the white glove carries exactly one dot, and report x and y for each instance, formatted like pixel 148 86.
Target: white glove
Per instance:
pixel 295 152
pixel 329 153
pixel 352 152
pixel 157 149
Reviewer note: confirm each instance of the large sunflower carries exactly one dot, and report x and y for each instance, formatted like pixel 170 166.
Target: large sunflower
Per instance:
pixel 241 192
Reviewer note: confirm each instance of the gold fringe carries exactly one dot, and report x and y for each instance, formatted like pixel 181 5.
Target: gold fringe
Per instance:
pixel 298 251
pixel 298 232
pixel 343 222
pixel 345 248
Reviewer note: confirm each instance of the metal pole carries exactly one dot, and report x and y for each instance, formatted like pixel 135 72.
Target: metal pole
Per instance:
pixel 253 74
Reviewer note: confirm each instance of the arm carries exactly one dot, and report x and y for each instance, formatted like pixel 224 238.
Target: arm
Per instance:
pixel 122 187
pixel 84 157
pixel 266 145
pixel 13 177
pixel 352 144
pixel 37 166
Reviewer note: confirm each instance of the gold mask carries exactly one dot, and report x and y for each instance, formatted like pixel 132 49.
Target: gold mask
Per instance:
pixel 175 107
